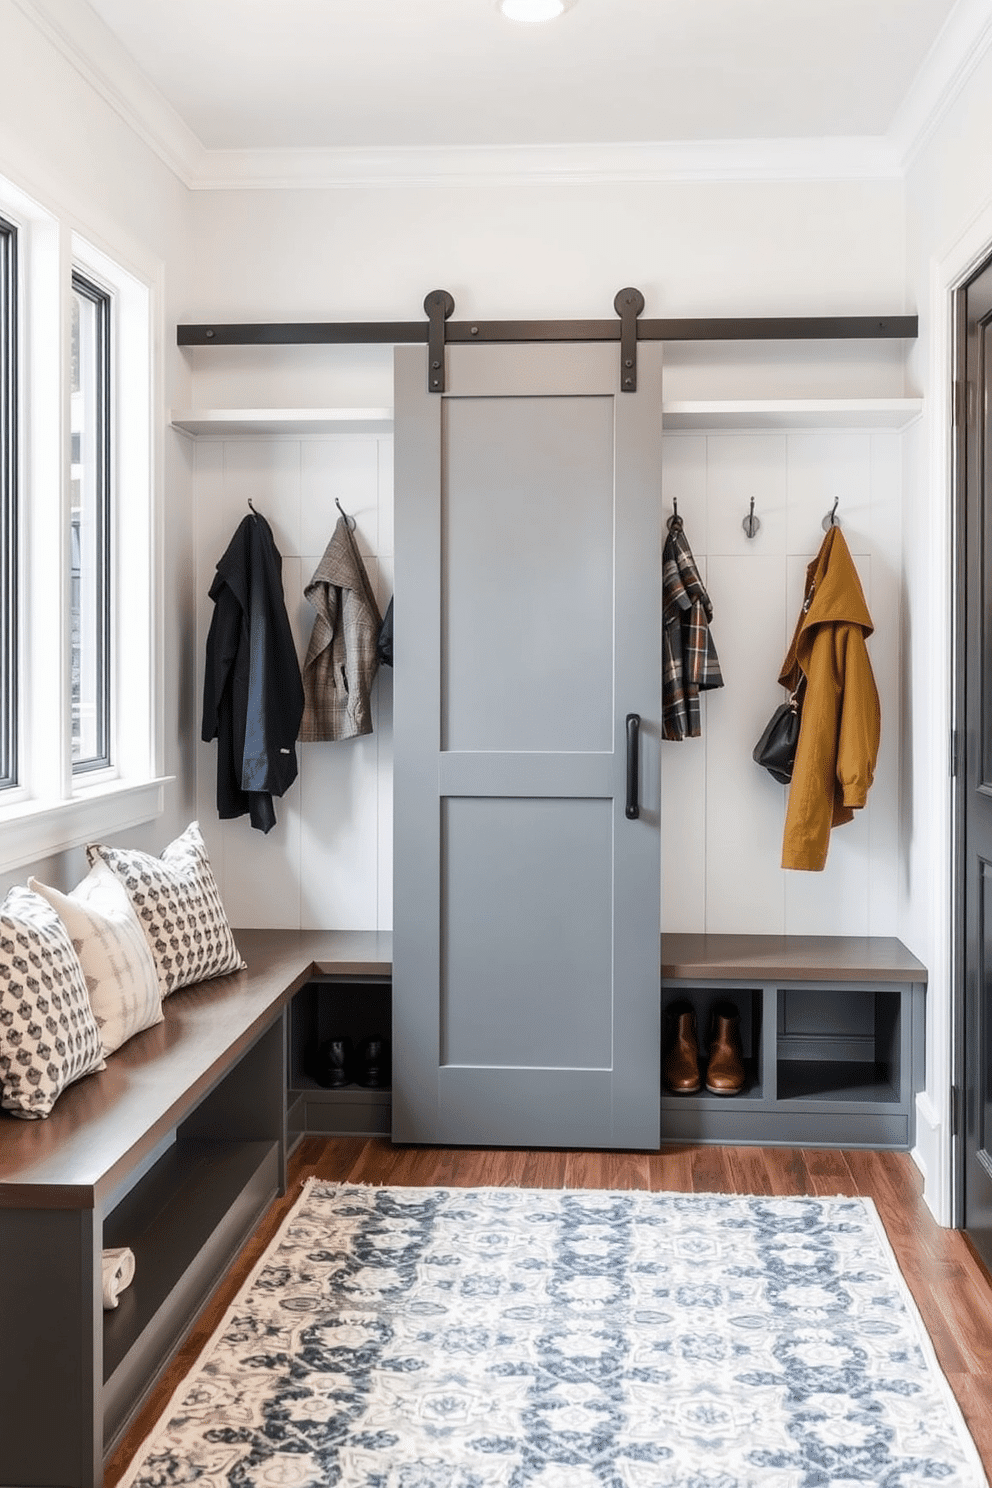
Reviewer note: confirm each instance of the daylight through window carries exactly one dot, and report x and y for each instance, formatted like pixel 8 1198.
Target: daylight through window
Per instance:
pixel 91 526
pixel 8 505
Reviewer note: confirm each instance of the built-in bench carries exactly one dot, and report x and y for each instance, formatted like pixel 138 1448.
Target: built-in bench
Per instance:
pixel 179 1146
pixel 175 1150
pixel 832 1028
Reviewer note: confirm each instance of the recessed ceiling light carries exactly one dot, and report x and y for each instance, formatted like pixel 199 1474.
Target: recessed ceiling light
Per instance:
pixel 534 10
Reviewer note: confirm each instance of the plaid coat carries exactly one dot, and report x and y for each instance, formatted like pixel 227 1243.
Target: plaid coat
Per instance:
pixel 689 660
pixel 341 659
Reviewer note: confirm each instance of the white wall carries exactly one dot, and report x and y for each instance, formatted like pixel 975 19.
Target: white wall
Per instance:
pixel 327 863
pixel 61 144
pixel 949 230
pixel 722 816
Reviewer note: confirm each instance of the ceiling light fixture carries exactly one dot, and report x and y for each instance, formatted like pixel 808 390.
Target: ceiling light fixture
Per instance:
pixel 533 11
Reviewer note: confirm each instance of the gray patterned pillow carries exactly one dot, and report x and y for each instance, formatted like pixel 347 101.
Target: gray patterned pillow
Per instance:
pixel 121 977
pixel 48 1035
pixel 179 906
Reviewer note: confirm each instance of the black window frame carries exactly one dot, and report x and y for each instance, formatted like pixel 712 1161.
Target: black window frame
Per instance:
pixel 102 300
pixel 9 593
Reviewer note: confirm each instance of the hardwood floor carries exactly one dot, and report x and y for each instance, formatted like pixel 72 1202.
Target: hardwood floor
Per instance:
pixel 951 1289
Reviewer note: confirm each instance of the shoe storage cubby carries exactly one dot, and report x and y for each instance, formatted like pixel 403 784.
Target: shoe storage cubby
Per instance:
pixel 348 1011
pixel 703 1000
pixel 831 1029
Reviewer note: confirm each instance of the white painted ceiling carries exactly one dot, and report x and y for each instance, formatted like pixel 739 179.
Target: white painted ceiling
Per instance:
pixel 346 74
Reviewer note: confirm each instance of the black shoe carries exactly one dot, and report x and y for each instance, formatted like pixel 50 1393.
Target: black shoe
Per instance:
pixel 334 1063
pixel 372 1064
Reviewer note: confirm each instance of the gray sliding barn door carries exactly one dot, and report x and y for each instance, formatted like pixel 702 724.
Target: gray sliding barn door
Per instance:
pixel 526 943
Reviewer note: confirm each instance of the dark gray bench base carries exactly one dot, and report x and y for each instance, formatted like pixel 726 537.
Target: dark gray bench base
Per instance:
pixel 176 1150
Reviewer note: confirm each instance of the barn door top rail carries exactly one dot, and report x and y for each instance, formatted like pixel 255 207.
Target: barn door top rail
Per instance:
pixel 628 328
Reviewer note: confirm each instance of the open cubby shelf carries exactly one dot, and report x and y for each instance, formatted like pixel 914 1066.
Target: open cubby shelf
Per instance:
pixel 832 1034
pixel 356 1008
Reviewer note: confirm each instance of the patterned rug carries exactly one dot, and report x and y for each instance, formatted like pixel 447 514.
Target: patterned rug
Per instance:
pixel 522 1338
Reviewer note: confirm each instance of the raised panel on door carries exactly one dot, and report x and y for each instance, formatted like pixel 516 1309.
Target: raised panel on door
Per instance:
pixel 527 538
pixel 526 903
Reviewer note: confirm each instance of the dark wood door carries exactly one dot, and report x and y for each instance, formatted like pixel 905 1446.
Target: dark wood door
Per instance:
pixel 975 724
pixel 526 940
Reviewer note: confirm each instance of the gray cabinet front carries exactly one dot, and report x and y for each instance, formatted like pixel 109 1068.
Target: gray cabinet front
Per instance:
pixel 526 953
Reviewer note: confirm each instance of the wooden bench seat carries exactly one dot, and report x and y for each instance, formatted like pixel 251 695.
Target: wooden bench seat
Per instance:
pixel 176 1149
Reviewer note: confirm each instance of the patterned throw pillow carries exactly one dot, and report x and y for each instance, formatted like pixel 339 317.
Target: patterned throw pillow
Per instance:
pixel 117 963
pixel 48 1035
pixel 178 904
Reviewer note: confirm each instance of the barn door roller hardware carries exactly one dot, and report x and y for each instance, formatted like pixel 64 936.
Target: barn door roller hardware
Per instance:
pixel 628 304
pixel 439 305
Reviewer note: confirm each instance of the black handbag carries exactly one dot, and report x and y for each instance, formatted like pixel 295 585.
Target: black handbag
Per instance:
pixel 775 751
pixel 384 641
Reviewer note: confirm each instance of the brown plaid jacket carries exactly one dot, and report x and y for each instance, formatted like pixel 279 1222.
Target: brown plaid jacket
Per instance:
pixel 341 659
pixel 689 660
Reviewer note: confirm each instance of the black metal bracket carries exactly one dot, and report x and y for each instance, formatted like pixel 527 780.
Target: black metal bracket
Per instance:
pixel 438 305
pixel 628 304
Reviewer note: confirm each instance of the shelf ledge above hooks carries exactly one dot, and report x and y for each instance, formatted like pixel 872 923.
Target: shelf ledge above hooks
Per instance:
pixel 231 422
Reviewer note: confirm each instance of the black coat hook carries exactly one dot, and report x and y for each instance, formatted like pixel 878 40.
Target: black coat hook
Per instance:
pixel 751 523
pixel 352 524
pixel 675 511
pixel 831 519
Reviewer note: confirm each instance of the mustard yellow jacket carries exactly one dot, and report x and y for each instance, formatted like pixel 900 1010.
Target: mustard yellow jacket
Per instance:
pixel 841 720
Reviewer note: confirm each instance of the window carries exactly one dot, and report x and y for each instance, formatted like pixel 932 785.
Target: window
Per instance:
pixel 81 666
pixel 8 505
pixel 90 530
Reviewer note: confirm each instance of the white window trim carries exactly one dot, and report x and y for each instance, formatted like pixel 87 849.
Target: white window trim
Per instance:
pixel 52 810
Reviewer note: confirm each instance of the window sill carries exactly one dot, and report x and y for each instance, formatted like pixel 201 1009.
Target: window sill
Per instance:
pixel 32 830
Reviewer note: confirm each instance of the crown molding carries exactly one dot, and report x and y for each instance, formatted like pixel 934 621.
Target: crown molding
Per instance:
pixel 959 48
pixel 412 166
pixel 75 30
pixel 78 34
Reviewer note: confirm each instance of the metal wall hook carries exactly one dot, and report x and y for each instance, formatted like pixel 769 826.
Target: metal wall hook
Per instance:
pixel 352 524
pixel 675 511
pixel 831 519
pixel 751 523
pixel 251 507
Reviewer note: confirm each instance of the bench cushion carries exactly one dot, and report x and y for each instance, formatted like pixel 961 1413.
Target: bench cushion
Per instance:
pixel 48 1035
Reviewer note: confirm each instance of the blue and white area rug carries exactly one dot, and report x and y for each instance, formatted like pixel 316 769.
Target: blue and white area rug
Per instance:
pixel 522 1338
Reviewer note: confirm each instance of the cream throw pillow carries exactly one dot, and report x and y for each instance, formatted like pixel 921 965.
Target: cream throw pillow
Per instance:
pixel 118 966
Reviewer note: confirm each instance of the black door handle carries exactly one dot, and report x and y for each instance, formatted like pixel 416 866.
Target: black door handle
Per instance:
pixel 633 727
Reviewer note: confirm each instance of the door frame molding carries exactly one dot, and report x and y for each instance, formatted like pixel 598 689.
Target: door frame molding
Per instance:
pixel 938 1151
pixel 959 457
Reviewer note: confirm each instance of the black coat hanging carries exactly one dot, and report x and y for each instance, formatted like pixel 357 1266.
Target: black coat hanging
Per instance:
pixel 252 691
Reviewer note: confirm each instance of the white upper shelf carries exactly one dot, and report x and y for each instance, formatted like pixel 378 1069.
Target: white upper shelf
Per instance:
pixel 793 413
pixel 731 413
pixel 233 421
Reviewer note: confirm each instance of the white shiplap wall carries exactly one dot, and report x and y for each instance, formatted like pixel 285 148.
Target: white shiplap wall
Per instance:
pixel 328 861
pixel 722 816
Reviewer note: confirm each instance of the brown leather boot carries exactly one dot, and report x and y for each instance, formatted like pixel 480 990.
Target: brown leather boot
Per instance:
pixel 681 1068
pixel 725 1068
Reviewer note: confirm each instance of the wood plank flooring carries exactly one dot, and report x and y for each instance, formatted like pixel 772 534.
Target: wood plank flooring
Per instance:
pixel 952 1290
